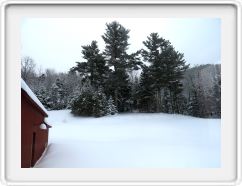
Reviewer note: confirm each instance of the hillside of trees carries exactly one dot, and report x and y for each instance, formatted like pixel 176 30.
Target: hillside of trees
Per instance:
pixel 155 78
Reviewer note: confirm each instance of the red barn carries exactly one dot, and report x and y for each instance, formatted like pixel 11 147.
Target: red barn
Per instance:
pixel 34 128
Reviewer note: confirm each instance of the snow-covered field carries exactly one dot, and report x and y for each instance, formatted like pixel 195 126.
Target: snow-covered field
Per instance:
pixel 132 140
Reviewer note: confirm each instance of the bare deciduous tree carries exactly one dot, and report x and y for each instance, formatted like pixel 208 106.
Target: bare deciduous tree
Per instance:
pixel 27 68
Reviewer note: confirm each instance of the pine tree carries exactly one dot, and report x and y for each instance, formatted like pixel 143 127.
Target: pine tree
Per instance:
pixel 73 85
pixel 100 106
pixel 175 89
pixel 166 101
pixel 58 96
pixel 73 96
pixel 91 103
pixel 217 94
pixel 116 40
pixel 111 107
pixel 167 67
pixel 54 97
pixel 42 95
pixel 145 94
pixel 83 104
pixel 116 45
pixel 155 46
pixel 193 104
pixel 134 62
pixel 134 93
pixel 94 69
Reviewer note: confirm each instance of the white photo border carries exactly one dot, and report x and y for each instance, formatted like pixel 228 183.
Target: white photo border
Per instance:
pixel 235 3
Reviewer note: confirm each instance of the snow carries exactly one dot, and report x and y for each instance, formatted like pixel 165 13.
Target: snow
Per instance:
pixel 46 120
pixel 112 68
pixel 26 88
pixel 43 126
pixel 134 140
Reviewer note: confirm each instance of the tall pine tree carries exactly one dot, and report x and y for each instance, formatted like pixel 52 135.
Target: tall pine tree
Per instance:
pixel 116 45
pixel 145 94
pixel 166 69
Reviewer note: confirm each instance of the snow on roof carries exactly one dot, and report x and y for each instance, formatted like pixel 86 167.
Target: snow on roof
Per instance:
pixel 26 88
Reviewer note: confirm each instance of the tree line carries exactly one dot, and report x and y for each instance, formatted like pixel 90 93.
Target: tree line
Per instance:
pixel 155 78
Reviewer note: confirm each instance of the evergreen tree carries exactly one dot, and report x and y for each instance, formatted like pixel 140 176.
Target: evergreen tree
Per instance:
pixel 94 69
pixel 73 96
pixel 134 62
pixel 167 67
pixel 83 104
pixel 100 106
pixel 145 95
pixel 193 104
pixel 217 94
pixel 92 103
pixel 134 93
pixel 181 104
pixel 116 40
pixel 111 107
pixel 73 85
pixel 176 100
pixel 58 97
pixel 43 96
pixel 166 101
pixel 116 45
pixel 54 97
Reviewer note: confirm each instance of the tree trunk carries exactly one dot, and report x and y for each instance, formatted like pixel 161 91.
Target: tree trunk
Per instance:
pixel 158 100
pixel 116 99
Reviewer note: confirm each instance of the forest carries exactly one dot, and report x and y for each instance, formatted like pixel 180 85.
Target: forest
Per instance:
pixel 154 79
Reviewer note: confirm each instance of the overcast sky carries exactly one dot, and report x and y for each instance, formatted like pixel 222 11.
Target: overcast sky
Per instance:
pixel 56 43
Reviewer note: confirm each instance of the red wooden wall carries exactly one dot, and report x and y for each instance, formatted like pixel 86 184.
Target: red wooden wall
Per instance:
pixel 31 118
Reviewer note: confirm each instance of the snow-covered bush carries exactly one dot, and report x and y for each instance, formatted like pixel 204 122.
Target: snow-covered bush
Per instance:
pixel 90 103
pixel 58 99
pixel 43 95
pixel 83 104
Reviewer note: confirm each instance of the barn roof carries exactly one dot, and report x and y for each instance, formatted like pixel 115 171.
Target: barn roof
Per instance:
pixel 29 92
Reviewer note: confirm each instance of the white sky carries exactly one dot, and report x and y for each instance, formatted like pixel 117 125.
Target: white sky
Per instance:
pixel 56 42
